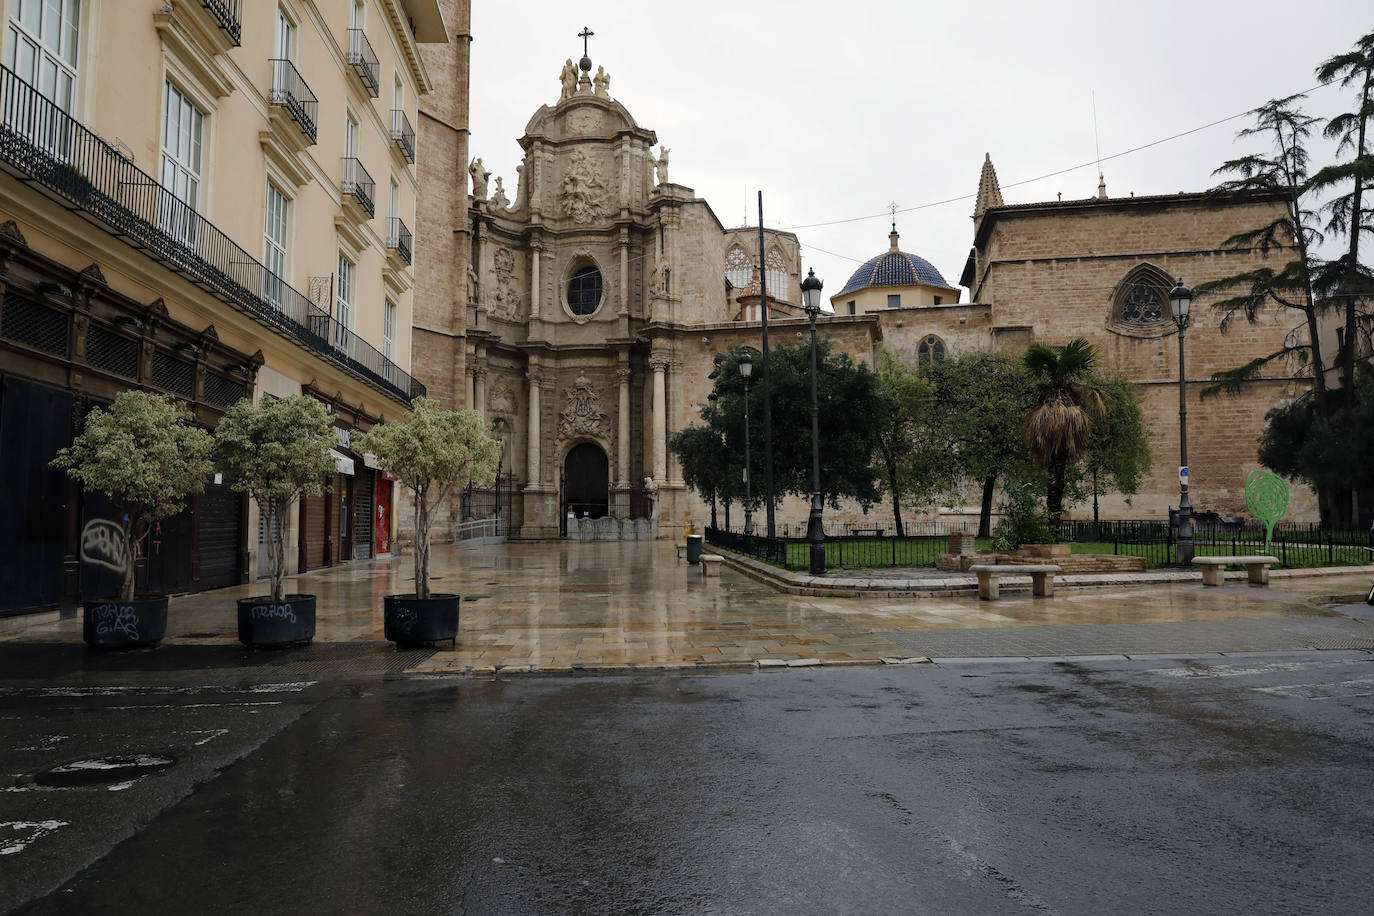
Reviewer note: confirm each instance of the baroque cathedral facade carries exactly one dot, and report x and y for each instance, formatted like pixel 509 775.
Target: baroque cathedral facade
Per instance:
pixel 579 312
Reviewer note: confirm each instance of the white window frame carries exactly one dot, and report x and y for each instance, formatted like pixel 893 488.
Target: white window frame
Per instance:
pixel 345 292
pixel 275 247
pixel 181 166
pixel 286 36
pixel 52 66
pixel 389 330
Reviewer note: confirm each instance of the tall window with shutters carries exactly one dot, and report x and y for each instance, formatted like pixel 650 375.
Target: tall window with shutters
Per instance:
pixel 274 246
pixel 183 126
pixel 42 41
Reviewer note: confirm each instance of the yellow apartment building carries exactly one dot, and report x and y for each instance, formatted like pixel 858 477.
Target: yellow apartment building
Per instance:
pixel 211 199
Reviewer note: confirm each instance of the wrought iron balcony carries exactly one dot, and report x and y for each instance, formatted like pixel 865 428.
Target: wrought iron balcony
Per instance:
pixel 398 238
pixel 46 148
pixel 290 92
pixel 359 185
pixel 226 13
pixel 364 61
pixel 402 134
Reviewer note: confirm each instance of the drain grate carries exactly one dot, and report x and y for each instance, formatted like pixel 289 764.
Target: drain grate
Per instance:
pixel 99 771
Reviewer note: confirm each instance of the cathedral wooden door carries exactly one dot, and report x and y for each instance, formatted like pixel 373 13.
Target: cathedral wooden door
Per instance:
pixel 586 481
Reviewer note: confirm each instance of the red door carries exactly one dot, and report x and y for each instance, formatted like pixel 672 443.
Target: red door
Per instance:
pixel 381 515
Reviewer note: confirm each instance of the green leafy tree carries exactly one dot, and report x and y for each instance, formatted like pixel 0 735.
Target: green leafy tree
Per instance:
pixel 1349 213
pixel 145 454
pixel 1118 454
pixel 276 451
pixel 1300 445
pixel 916 466
pixel 983 397
pixel 846 394
pixel 432 452
pixel 701 452
pixel 1067 405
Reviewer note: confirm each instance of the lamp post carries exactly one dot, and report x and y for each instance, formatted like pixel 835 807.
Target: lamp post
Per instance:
pixel 815 531
pixel 1180 302
pixel 746 369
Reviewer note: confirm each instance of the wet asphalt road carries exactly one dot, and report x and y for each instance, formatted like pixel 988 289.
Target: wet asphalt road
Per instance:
pixel 1224 785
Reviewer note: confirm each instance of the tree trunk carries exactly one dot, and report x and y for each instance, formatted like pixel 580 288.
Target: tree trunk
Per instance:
pixel 985 513
pixel 1356 224
pixel 890 460
pixel 727 515
pixel 1054 497
pixel 276 548
pixel 421 544
pixel 713 511
pixel 126 586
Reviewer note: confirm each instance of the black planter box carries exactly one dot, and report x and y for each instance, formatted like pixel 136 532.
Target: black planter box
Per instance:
pixel 113 624
pixel 268 624
pixel 408 620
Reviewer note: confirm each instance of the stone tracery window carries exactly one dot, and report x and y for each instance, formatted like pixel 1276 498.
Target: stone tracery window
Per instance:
pixel 777 274
pixel 738 268
pixel 930 350
pixel 1140 302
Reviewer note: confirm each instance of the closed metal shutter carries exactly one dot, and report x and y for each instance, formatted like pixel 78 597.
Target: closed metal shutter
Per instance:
pixel 35 421
pixel 312 530
pixel 362 514
pixel 218 530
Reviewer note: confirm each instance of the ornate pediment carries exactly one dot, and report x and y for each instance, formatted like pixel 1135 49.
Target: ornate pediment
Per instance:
pixel 582 415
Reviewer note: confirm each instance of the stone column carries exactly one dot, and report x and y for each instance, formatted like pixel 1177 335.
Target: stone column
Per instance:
pixel 659 364
pixel 534 283
pixel 479 383
pixel 532 473
pixel 624 245
pixel 622 458
pixel 472 387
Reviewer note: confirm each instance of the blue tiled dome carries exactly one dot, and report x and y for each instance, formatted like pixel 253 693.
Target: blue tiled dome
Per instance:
pixel 895 268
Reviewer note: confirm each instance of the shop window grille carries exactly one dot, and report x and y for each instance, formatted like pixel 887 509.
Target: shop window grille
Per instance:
pixel 223 392
pixel 36 325
pixel 109 351
pixel 174 375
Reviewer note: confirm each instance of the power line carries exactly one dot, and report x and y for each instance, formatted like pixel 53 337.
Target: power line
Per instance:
pixel 1014 184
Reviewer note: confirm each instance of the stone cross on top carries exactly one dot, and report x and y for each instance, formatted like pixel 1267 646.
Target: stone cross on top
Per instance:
pixel 586 63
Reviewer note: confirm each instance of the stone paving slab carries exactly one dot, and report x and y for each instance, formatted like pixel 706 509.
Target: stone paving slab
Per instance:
pixel 1142 639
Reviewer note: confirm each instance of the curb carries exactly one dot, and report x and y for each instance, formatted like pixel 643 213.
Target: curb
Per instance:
pixel 959 586
pixel 480 672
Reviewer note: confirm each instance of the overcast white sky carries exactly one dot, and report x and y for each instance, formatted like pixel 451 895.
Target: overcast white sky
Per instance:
pixel 835 109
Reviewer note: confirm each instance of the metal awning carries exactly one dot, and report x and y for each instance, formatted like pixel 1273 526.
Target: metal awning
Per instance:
pixel 342 462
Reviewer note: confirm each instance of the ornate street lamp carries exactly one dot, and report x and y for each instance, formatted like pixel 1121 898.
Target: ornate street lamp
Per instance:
pixel 815 532
pixel 1181 302
pixel 746 369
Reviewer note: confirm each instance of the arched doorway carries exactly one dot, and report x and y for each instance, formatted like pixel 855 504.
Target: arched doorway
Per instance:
pixel 586 481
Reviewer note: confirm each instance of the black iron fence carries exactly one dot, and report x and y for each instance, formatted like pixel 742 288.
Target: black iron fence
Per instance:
pixel 226 13
pixel 364 61
pixel 1294 545
pixel 290 91
pixel 45 145
pixel 402 134
pixel 398 237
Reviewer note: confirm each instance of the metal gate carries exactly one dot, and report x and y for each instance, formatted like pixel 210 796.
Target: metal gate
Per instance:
pixel 217 535
pixel 362 514
pixel 487 502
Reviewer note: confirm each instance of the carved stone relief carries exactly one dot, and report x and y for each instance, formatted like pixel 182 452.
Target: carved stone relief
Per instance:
pixel 582 196
pixel 584 122
pixel 501 399
pixel 504 301
pixel 582 415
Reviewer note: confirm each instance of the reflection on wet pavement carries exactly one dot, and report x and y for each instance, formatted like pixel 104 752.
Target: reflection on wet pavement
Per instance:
pixel 611 605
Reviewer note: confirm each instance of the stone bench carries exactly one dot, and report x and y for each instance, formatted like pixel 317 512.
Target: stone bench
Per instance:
pixel 1042 578
pixel 1257 568
pixel 681 552
pixel 710 564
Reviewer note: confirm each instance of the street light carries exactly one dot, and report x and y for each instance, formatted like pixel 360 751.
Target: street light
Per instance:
pixel 815 532
pixel 1180 302
pixel 746 369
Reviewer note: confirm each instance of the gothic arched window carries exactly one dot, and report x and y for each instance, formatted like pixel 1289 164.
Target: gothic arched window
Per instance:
pixel 1140 302
pixel 931 350
pixel 738 268
pixel 777 274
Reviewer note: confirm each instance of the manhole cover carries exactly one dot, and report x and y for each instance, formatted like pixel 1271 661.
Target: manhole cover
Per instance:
pixel 97 771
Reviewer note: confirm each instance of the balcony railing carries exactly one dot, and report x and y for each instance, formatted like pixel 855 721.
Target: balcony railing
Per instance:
pixel 359 184
pixel 226 13
pixel 398 237
pixel 44 146
pixel 291 93
pixel 402 134
pixel 364 61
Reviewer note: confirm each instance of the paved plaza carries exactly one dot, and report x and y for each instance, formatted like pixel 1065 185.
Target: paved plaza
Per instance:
pixel 558 607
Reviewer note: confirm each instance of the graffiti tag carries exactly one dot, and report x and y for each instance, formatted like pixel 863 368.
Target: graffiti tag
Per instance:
pixel 274 612
pixel 116 618
pixel 102 543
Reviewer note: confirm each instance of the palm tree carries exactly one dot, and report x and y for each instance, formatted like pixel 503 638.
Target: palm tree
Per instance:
pixel 1067 404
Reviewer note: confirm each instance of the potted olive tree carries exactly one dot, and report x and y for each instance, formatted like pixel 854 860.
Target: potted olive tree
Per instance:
pixel 144 454
pixel 276 451
pixel 432 452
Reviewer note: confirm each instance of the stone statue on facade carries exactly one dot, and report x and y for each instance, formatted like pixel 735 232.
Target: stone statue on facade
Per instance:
pixel 472 285
pixel 480 176
pixel 602 82
pixel 569 80
pixel 661 164
pixel 499 199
